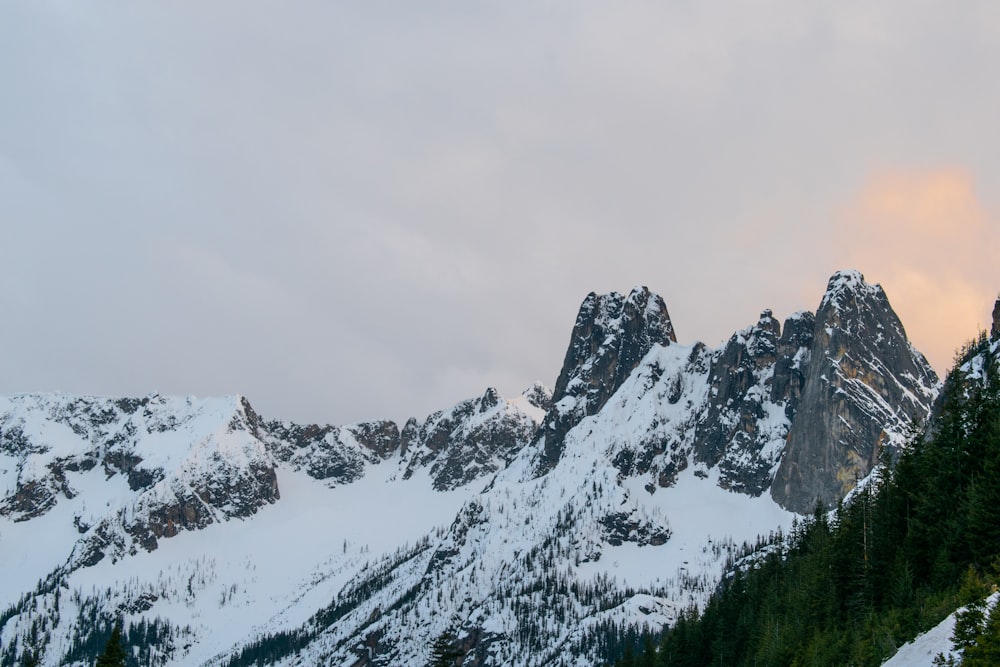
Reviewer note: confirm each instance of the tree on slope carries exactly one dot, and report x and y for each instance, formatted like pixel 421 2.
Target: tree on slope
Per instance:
pixel 985 652
pixel 970 621
pixel 444 651
pixel 114 653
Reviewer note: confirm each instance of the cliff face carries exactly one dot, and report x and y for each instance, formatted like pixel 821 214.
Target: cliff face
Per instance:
pixel 611 335
pixel 475 438
pixel 863 385
pixel 755 382
pixel 802 411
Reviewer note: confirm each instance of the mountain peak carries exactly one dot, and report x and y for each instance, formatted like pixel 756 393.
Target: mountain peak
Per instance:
pixel 767 322
pixel 850 411
pixel 489 400
pixel 845 286
pixel 611 323
pixel 538 395
pixel 611 336
pixel 650 308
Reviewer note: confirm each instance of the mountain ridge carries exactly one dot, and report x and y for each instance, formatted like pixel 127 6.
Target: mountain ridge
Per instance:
pixel 538 498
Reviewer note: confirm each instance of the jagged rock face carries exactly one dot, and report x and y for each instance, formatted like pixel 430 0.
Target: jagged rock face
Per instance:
pixel 475 438
pixel 131 443
pixel 611 336
pixel 746 418
pixel 727 409
pixel 228 474
pixel 381 437
pixel 229 491
pixel 734 372
pixel 336 454
pixel 31 499
pixel 792 359
pixel 621 527
pixel 864 384
pixel 656 411
pixel 538 396
pixel 37 466
pixel 189 463
pixel 40 464
pixel 318 450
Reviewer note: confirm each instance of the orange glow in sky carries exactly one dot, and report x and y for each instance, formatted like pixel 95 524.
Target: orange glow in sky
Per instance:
pixel 932 244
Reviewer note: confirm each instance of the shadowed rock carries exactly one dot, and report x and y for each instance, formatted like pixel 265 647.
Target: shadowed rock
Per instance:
pixel 611 335
pixel 862 382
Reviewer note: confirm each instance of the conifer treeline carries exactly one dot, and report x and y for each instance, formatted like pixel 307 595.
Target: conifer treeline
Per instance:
pixel 890 563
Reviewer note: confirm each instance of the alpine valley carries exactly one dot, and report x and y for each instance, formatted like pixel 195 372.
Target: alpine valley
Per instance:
pixel 547 529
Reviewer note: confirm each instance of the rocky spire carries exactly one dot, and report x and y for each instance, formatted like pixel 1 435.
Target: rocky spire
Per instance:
pixel 733 410
pixel 863 380
pixel 611 336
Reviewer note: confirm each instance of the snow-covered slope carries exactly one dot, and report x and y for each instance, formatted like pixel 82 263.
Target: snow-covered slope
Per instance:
pixel 199 517
pixel 645 478
pixel 922 651
pixel 536 529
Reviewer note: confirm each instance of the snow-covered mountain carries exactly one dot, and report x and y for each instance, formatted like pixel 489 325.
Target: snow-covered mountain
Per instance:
pixel 535 529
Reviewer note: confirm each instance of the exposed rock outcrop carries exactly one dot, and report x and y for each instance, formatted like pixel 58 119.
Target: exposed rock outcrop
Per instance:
pixel 863 383
pixel 611 335
pixel 336 454
pixel 472 439
pixel 793 358
pixel 188 463
pixel 743 426
pixel 475 438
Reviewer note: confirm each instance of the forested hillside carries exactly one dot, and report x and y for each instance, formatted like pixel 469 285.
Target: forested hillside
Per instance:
pixel 900 554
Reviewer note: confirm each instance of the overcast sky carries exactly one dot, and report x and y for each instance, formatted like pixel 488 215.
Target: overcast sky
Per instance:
pixel 348 211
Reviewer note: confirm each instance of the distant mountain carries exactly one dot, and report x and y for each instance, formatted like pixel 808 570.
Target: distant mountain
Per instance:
pixel 538 530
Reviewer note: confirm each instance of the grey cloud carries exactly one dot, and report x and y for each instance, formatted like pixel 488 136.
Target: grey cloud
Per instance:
pixel 349 211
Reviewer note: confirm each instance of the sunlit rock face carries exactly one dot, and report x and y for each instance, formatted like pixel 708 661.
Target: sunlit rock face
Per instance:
pixel 863 385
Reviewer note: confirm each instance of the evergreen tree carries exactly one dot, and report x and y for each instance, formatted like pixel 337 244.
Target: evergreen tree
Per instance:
pixel 986 651
pixel 983 503
pixel 970 621
pixel 648 656
pixel 444 651
pixel 114 652
pixel 628 660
